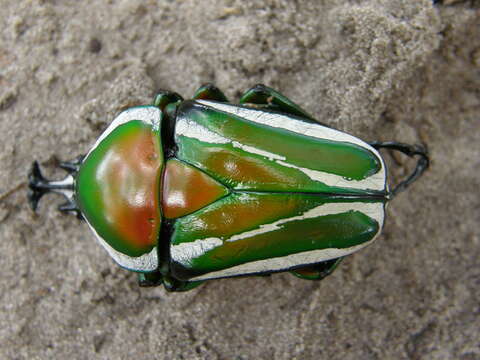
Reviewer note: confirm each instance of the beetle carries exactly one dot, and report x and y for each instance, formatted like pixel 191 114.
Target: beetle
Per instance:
pixel 185 191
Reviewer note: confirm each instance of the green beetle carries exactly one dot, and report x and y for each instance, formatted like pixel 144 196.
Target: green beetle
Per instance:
pixel 184 191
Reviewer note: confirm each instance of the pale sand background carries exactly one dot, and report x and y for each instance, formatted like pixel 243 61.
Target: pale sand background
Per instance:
pixel 380 69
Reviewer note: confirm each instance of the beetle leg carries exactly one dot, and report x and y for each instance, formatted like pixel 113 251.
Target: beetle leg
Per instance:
pixel 266 97
pixel 73 166
pixel 317 271
pixel 167 102
pixel 155 279
pixel 70 207
pixel 210 92
pixel 164 98
pixel 39 186
pixel 410 150
pixel 150 279
pixel 171 284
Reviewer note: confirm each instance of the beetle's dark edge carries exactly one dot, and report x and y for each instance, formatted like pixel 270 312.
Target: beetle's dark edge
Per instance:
pixel 168 139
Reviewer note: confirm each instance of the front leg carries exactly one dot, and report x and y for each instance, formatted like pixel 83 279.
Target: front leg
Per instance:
pixel 165 98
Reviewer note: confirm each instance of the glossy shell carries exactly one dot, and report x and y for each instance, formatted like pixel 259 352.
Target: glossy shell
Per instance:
pixel 300 193
pixel 118 188
pixel 243 191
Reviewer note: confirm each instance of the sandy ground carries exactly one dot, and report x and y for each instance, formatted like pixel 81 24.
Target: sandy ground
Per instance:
pixel 380 69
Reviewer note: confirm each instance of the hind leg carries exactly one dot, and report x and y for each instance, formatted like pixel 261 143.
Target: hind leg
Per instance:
pixel 318 271
pixel 210 92
pixel 268 98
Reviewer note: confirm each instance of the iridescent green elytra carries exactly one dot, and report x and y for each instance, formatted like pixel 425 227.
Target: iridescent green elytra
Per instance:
pixel 188 191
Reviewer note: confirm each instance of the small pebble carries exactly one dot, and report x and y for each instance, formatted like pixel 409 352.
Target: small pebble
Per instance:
pixel 95 46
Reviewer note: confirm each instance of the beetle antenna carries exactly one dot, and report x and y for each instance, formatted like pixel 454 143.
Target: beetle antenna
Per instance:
pixel 419 151
pixel 39 186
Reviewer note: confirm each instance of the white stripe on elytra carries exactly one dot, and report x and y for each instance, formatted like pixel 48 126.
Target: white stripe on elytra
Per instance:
pixel 284 262
pixel 373 182
pixel 185 252
pixel 369 209
pixel 193 130
pixel 188 128
pixel 286 122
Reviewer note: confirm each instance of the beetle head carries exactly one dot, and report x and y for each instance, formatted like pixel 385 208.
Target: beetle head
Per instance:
pixel 39 186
